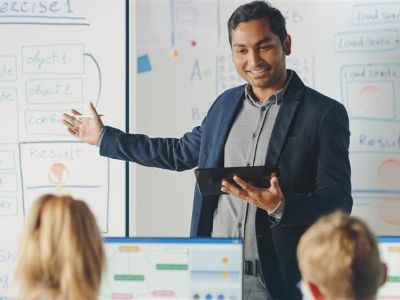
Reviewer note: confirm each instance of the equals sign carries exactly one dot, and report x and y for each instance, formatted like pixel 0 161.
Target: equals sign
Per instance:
pixel 207 72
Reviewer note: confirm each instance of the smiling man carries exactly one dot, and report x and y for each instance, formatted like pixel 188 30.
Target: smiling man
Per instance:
pixel 272 120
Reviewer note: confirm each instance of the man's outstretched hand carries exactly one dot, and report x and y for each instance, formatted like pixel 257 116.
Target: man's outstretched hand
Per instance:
pixel 85 128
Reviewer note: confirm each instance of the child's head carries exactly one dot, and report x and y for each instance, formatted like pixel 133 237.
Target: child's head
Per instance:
pixel 339 259
pixel 61 252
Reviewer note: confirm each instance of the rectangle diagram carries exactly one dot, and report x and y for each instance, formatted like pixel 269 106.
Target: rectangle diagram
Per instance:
pixel 371 92
pixel 54 91
pixel 8 206
pixel 45 122
pixel 8 182
pixel 381 137
pixel 380 173
pixel 70 168
pixel 8 68
pixel 367 41
pixel 53 59
pixel 8 116
pixel 376 13
pixel 7 160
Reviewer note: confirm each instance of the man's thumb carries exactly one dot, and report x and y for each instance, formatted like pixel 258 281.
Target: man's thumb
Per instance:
pixel 93 110
pixel 274 183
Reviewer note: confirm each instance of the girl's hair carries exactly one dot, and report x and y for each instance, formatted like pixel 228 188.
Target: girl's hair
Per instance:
pixel 61 252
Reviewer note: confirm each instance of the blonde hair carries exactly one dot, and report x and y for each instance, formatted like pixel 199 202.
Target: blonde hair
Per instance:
pixel 61 252
pixel 340 256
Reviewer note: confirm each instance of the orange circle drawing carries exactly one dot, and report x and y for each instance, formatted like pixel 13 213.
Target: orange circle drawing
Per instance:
pixel 58 173
pixel 373 100
pixel 390 211
pixel 389 172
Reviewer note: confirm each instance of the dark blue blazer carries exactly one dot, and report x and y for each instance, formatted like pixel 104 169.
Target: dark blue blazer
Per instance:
pixel 309 143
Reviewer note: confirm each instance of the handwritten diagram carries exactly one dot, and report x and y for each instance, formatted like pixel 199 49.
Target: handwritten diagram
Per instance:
pixel 186 24
pixel 70 168
pixel 371 93
pixel 36 112
pixel 54 61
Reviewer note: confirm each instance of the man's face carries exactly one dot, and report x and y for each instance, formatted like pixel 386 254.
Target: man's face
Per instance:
pixel 258 54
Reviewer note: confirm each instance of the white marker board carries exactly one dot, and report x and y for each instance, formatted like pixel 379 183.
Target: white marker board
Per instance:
pixel 58 55
pixel 348 50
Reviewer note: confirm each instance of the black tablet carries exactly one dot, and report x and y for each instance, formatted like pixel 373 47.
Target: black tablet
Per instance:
pixel 209 179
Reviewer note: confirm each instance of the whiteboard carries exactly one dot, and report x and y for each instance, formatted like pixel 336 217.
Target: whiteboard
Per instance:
pixel 348 50
pixel 58 55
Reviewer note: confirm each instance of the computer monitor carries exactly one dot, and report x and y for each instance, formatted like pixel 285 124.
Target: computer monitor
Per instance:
pixel 180 268
pixel 389 248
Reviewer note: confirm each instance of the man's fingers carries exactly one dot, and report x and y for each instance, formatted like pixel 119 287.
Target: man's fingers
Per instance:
pixel 260 197
pixel 253 192
pixel 75 112
pixel 71 125
pixel 243 184
pixel 71 119
pixel 235 190
pixel 73 132
pixel 68 117
pixel 232 188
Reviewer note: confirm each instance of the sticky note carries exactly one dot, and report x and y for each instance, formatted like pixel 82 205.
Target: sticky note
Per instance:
pixel 143 64
pixel 174 53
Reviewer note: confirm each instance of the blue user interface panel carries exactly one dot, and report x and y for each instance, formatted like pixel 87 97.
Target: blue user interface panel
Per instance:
pixel 389 249
pixel 178 268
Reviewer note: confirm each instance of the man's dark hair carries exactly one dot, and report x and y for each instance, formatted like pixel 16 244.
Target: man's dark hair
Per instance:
pixel 258 10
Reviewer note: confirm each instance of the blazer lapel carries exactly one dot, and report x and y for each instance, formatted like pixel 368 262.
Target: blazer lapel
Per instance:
pixel 290 102
pixel 224 124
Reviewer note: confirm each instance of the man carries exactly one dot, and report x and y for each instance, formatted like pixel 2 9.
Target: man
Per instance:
pixel 273 120
pixel 339 259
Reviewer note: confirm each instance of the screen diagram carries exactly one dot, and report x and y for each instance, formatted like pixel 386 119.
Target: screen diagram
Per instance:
pixel 389 248
pixel 173 269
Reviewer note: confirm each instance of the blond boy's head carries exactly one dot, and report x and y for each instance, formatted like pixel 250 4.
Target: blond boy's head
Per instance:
pixel 339 259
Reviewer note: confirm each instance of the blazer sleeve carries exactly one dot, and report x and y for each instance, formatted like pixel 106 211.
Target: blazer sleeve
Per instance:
pixel 166 153
pixel 333 186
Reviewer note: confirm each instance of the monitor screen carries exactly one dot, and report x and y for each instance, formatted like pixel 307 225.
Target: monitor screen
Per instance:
pixel 184 268
pixel 389 248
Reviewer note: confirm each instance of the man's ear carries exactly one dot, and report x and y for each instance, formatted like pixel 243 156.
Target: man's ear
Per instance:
pixel 287 45
pixel 315 291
